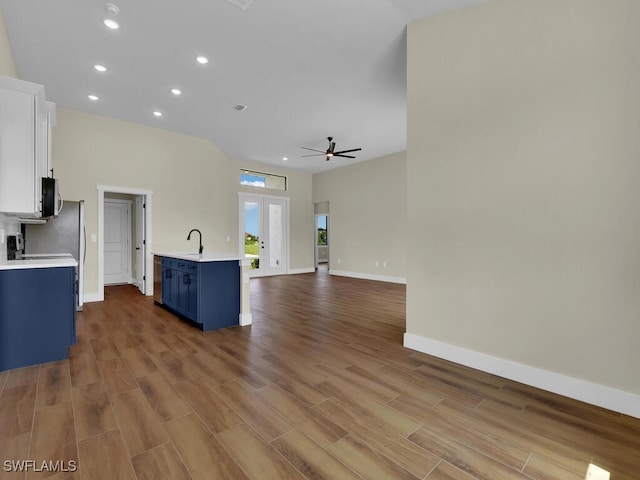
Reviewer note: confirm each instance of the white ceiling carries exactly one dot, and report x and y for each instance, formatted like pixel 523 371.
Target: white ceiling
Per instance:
pixel 306 69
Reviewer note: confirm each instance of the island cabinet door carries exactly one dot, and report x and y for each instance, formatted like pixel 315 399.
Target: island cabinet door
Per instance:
pixel 192 297
pixel 167 286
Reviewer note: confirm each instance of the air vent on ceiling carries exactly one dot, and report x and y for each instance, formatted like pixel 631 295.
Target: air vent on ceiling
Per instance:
pixel 243 4
pixel 239 107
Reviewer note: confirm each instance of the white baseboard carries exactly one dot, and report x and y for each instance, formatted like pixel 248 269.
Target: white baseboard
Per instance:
pixel 245 319
pixel 369 276
pixel 295 271
pixel 93 297
pixel 595 394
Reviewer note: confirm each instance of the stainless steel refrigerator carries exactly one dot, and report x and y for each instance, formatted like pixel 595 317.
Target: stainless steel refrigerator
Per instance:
pixel 64 234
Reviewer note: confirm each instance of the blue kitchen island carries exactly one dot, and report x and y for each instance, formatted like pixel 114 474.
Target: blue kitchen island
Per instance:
pixel 202 288
pixel 37 311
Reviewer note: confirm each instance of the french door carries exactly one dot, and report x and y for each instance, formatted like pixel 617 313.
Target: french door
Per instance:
pixel 264 233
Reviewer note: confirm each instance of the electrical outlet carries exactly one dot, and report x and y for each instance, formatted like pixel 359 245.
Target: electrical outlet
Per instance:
pixel 384 264
pixel 338 260
pixel 376 264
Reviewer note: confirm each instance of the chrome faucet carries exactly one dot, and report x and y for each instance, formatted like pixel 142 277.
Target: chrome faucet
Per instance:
pixel 200 248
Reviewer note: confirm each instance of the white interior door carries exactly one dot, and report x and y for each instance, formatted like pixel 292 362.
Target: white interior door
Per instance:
pixel 117 242
pixel 141 274
pixel 264 227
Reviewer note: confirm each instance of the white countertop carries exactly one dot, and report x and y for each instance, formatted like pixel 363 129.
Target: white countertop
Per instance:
pixel 43 262
pixel 204 257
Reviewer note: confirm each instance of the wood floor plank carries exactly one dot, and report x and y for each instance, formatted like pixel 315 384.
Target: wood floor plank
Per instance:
pixel 306 420
pixel 264 463
pixel 178 346
pixel 3 379
pixel 93 412
pixel 54 386
pixel 265 420
pixel 104 457
pixel 173 368
pixel 207 405
pixel 84 369
pixel 104 348
pixel 123 339
pixel 502 448
pixel 382 439
pixel 17 405
pixel 138 361
pixel 140 428
pixel 13 449
pixel 160 463
pixel 545 468
pixel 162 397
pixel 367 462
pixel 295 386
pixel 351 396
pixel 23 376
pixel 116 376
pixel 53 437
pixel 373 389
pixel 311 459
pixel 446 471
pixel 465 458
pixel 203 455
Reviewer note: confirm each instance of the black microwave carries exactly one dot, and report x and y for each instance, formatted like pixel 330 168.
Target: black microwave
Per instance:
pixel 50 197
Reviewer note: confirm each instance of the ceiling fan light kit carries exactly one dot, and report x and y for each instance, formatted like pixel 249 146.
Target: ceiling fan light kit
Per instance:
pixel 330 152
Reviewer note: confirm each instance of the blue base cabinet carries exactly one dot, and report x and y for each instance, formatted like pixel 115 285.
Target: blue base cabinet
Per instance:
pixel 207 293
pixel 37 315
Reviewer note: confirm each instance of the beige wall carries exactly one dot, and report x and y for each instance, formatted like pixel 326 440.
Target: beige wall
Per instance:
pixel 7 63
pixel 194 184
pixel 523 200
pixel 367 217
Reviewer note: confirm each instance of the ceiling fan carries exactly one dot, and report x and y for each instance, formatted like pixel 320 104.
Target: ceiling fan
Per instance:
pixel 331 151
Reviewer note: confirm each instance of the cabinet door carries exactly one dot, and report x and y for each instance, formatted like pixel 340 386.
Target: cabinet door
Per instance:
pixel 192 297
pixel 17 152
pixel 167 287
pixel 181 292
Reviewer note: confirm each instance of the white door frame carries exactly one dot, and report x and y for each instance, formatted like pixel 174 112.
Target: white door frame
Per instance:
pixel 148 255
pixel 141 272
pixel 128 203
pixel 242 196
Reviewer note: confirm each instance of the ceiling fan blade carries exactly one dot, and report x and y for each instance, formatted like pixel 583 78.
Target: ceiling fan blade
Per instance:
pixel 344 156
pixel 332 147
pixel 348 151
pixel 314 155
pixel 313 149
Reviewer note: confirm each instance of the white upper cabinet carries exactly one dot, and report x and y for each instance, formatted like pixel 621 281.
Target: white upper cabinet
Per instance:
pixel 25 146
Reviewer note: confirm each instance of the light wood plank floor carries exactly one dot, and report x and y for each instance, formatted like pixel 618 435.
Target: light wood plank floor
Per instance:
pixel 318 387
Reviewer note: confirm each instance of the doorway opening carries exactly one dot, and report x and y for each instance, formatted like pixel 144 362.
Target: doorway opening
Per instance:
pixel 124 243
pixel 264 233
pixel 322 239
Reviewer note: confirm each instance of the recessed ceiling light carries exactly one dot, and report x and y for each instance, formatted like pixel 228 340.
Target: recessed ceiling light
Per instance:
pixel 93 98
pixel 285 159
pixel 176 91
pixel 100 68
pixel 110 23
pixel 202 60
pixel 157 113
